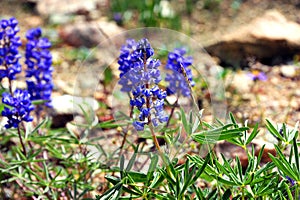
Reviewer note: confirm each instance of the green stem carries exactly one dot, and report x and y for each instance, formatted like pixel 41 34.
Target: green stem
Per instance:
pixel 195 106
pixel 126 131
pixel 172 112
pixel 21 140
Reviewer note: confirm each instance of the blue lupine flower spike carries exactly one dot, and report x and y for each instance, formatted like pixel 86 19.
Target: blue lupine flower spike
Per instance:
pixel 140 77
pixel 39 66
pixel 9 54
pixel 180 71
pixel 17 108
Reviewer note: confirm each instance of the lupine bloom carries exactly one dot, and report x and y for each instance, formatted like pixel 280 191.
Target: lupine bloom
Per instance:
pixel 292 182
pixel 39 66
pixel 176 79
pixel 9 44
pixel 256 75
pixel 17 108
pixel 140 76
pixel 118 18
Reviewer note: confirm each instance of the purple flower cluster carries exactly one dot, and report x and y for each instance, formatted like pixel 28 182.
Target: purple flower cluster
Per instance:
pixel 18 104
pixel 176 79
pixel 291 181
pixel 136 65
pixel 39 66
pixel 256 75
pixel 140 77
pixel 19 108
pixel 156 104
pixel 9 54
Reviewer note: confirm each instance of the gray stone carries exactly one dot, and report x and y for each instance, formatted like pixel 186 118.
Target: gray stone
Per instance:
pixel 68 104
pixel 265 37
pixel 290 71
pixel 89 34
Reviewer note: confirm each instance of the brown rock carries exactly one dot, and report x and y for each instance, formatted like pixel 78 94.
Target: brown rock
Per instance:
pixel 265 37
pixel 89 34
pixel 49 7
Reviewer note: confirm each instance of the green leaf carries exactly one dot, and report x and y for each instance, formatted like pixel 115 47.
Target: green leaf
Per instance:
pixel 274 131
pixel 296 154
pixel 152 167
pixel 226 194
pixel 187 126
pixel 213 194
pixel 157 180
pixel 239 167
pixel 199 193
pixel 39 126
pixel 294 132
pixel 112 179
pixel 215 135
pixel 131 162
pixel 122 161
pixel 108 76
pixel 110 192
pixel 233 120
pixel 252 135
pixel 287 188
pixel 260 155
pixel 137 176
pixel 285 168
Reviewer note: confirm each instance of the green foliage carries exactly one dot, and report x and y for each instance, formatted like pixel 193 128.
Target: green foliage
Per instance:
pixel 151 13
pixel 58 163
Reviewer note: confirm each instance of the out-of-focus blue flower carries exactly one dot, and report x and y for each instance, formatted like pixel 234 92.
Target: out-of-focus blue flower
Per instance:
pixel 118 18
pixel 176 79
pixel 17 108
pixel 9 44
pixel 140 76
pixel 292 182
pixel 39 66
pixel 256 75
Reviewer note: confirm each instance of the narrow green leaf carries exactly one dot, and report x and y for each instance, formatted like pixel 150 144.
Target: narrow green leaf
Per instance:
pixel 239 167
pixel 260 155
pixel 112 179
pixel 152 167
pixel 157 180
pixel 286 169
pixel 226 194
pixel 46 171
pixel 296 154
pixel 274 131
pixel 253 134
pixel 137 177
pixel 199 193
pixel 131 162
pixel 287 188
pixel 212 194
pixel 233 120
pixel 186 125
pixel 122 161
pixel 110 192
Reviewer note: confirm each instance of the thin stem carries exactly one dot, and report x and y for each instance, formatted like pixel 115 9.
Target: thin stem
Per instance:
pixel 10 86
pixel 191 94
pixel 126 132
pixel 155 139
pixel 172 112
pixel 21 140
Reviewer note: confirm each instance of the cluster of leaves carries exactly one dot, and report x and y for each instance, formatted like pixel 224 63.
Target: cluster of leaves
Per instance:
pixel 212 176
pixel 59 164
pixel 150 13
